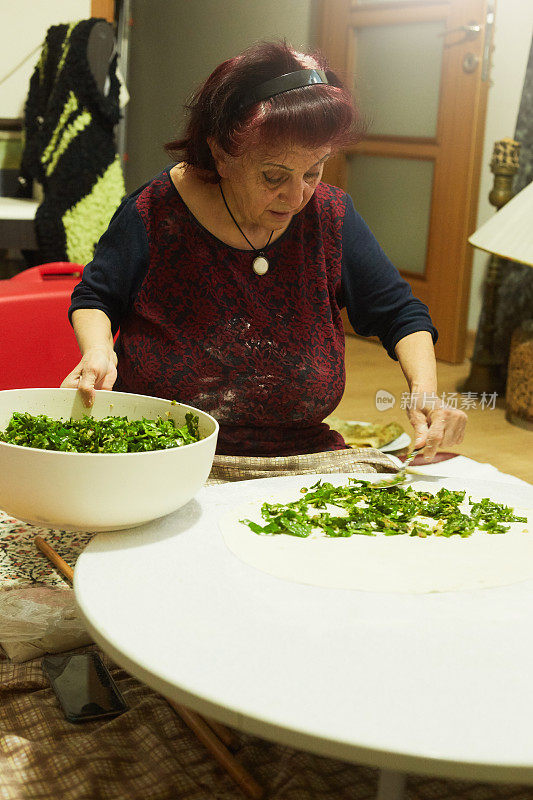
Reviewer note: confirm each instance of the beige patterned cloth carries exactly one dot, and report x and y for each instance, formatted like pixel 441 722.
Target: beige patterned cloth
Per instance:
pixel 148 753
pixel 239 468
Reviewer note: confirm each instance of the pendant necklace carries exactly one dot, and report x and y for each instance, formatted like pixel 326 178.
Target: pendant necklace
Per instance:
pixel 260 263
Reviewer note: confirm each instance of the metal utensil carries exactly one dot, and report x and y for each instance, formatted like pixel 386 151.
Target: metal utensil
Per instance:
pixel 401 476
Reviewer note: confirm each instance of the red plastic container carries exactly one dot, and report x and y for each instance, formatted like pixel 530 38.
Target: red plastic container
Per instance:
pixel 37 344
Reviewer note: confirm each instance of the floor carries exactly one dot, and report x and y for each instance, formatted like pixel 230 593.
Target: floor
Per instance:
pixel 489 437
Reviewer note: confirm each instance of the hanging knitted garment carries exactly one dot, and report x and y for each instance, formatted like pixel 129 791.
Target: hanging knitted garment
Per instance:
pixel 70 147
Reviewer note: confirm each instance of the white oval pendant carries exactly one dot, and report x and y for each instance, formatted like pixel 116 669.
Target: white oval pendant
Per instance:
pixel 260 265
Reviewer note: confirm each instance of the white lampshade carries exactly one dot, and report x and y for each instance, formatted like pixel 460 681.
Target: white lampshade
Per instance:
pixel 509 233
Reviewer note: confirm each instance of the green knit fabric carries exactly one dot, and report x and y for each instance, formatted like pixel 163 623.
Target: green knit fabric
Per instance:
pixel 70 148
pixel 86 221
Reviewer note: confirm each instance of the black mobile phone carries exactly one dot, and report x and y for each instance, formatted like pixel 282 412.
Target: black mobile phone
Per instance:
pixel 84 686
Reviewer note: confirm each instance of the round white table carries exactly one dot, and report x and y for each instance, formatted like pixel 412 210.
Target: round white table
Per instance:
pixel 435 684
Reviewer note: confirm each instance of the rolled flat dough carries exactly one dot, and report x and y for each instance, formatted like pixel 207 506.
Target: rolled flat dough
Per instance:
pixel 383 563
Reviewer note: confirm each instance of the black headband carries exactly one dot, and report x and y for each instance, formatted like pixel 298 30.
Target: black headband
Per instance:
pixel 291 80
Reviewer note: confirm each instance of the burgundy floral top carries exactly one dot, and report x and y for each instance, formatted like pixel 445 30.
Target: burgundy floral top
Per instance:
pixel 262 354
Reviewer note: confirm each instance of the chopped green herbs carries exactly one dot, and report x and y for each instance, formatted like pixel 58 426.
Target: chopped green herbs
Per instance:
pixel 107 435
pixel 398 511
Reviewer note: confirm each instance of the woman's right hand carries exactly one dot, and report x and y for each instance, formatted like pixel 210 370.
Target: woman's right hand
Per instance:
pixel 96 370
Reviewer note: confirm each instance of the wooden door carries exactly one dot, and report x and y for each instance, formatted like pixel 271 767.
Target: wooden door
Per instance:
pixel 420 72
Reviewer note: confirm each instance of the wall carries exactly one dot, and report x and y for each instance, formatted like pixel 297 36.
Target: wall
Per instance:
pixel 188 41
pixel 23 29
pixel 512 39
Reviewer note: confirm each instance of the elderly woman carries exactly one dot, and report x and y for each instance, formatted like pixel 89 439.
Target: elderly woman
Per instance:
pixel 226 274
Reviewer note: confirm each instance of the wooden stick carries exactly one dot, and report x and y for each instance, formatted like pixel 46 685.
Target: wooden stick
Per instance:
pixel 225 735
pixel 55 558
pixel 227 761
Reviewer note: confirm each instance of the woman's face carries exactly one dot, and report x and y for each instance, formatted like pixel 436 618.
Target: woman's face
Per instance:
pixel 265 189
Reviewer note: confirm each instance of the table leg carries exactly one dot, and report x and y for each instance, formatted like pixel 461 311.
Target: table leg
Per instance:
pixel 225 735
pixel 225 758
pixel 391 785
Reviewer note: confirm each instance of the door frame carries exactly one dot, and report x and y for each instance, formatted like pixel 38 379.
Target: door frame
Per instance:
pixel 104 9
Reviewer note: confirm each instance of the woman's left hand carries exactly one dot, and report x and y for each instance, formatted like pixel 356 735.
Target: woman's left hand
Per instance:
pixel 435 424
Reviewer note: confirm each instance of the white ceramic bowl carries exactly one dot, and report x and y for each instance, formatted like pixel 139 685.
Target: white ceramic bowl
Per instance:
pixel 99 491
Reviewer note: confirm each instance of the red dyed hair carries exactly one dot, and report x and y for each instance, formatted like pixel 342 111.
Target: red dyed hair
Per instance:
pixel 311 116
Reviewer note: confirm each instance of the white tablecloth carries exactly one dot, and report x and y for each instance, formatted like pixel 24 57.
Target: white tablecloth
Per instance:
pixel 463 467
